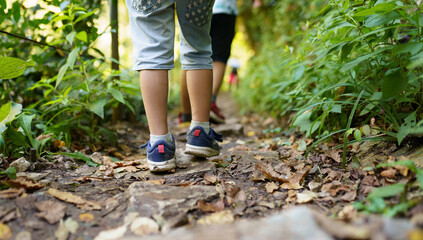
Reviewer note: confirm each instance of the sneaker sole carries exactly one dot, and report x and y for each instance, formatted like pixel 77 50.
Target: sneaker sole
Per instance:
pixel 201 151
pixel 162 166
pixel 216 118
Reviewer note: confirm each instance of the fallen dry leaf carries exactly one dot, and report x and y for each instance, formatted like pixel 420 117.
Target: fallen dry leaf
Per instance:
pixel 23 182
pixel 86 217
pixel 126 149
pixel 258 157
pixel 44 136
pixel 11 193
pixel 349 196
pixel 157 181
pixel 51 211
pixel 212 179
pixel 334 154
pixel 334 187
pixel 224 217
pixel 389 173
pixel 299 176
pixel 211 207
pixel 271 187
pixel 77 200
pixel 5 232
pixel 291 186
pixel 292 196
pixel 403 170
pixel 305 197
pixel 314 185
pixel 269 172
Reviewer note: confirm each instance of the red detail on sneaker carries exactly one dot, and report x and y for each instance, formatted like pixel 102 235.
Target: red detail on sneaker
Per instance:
pixel 197 132
pixel 161 148
pixel 215 114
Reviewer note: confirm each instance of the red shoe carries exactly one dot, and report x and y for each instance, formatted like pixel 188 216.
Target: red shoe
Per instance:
pixel 215 114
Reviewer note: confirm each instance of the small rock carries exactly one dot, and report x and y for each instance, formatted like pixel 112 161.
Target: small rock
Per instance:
pixel 144 226
pixel 34 176
pixel 397 228
pixel 150 199
pixel 229 129
pixel 21 165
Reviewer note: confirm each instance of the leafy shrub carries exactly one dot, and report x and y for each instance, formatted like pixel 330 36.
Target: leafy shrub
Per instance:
pixel 348 49
pixel 70 90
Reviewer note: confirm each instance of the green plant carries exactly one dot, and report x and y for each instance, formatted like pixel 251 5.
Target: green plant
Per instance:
pixel 10 172
pixel 351 61
pixel 376 201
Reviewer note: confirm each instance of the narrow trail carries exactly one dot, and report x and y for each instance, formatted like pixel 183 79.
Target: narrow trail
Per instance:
pixel 260 187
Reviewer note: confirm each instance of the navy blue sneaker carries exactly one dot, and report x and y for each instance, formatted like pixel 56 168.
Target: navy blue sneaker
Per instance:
pixel 201 144
pixel 161 156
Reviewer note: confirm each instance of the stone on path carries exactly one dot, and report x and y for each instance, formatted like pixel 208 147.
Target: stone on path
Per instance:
pixel 230 129
pixel 21 164
pixel 297 223
pixel 168 201
pixel 188 168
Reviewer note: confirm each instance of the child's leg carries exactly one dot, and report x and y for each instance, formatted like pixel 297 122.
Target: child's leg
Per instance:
pixel 152 25
pixel 194 20
pixel 199 83
pixel 218 74
pixel 185 103
pixel 154 90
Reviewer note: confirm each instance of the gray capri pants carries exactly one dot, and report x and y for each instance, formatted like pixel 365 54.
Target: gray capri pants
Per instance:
pixel 152 24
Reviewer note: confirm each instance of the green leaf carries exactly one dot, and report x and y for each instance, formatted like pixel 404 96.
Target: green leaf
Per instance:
pixel 61 73
pixel 409 123
pixel 379 20
pixel 58 18
pixel 395 82
pixel 80 156
pixel 97 107
pixel 387 191
pixel 116 95
pixel 336 108
pixel 3 4
pixel 72 58
pixel 366 130
pixel 407 163
pixel 25 123
pixel 10 172
pixel 357 135
pixel 16 11
pixel 302 146
pixel 82 35
pixel 303 121
pixel 17 138
pixel 411 47
pixel 13 67
pixel 380 8
pixel 70 37
pixel 83 16
pixel 8 113
pixel 419 176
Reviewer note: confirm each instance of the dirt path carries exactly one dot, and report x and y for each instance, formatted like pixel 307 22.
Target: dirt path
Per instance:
pixel 256 176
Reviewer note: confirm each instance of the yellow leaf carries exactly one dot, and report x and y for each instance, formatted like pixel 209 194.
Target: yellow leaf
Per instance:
pixel 86 217
pixel 5 232
pixel 251 133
